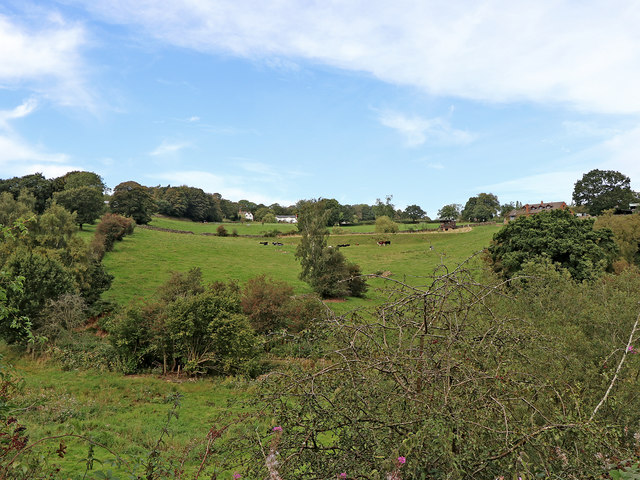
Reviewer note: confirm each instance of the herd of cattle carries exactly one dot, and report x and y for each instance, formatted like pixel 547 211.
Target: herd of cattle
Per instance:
pixel 381 243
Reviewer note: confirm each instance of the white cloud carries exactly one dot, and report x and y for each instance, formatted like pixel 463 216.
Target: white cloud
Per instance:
pixel 622 153
pixel 619 152
pixel 18 157
pixel 436 166
pixel 166 148
pixel 19 112
pixel 547 187
pixel 586 55
pixel 45 58
pixel 417 130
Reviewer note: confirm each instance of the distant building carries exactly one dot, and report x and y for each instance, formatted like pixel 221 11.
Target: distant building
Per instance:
pixel 532 209
pixel 246 215
pixel 287 218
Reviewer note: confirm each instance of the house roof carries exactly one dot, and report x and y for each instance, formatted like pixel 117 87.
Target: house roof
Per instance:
pixel 533 208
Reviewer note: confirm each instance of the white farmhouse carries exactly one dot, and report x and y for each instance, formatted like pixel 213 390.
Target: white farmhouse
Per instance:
pixel 287 218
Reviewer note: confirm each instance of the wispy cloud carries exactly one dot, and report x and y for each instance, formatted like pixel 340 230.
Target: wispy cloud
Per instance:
pixel 18 157
pixel 549 187
pixel 20 111
pixel 45 58
pixel 494 50
pixel 167 148
pixel 418 130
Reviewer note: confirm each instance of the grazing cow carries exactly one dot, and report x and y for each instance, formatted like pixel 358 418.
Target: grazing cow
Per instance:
pixel 387 242
pixel 264 243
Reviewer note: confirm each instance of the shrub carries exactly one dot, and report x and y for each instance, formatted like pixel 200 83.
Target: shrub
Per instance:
pixel 113 228
pixel 265 302
pixel 222 232
pixel 62 315
pixel 568 241
pixel 385 225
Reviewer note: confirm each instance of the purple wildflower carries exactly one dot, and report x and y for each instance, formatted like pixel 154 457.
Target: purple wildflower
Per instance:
pixel 277 429
pixel 401 460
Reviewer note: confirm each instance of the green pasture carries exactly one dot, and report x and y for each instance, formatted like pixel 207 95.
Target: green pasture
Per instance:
pixel 124 413
pixel 257 228
pixel 144 260
pixel 127 413
pixel 241 228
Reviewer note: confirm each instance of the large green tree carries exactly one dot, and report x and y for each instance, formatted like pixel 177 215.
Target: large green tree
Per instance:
pixel 567 241
pixel 36 184
pixel 601 190
pixel 414 212
pixel 133 200
pixel 87 202
pixel 449 212
pixel 323 267
pixel 481 208
pixel 83 179
pixel 387 208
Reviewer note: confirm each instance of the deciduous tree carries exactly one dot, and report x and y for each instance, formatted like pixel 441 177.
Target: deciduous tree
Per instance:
pixel 414 212
pixel 481 208
pixel 86 202
pixel 323 267
pixel 133 200
pixel 601 190
pixel 449 212
pixel 567 241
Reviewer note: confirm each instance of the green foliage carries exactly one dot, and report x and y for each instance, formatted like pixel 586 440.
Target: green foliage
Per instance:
pixel 45 277
pixel 36 185
pixel 77 179
pixel 449 212
pixel 201 330
pixel 567 241
pixel 221 231
pixel 626 231
pixel 12 209
pixel 481 208
pixel 265 302
pixel 384 209
pixel 269 218
pixel 467 380
pixel 601 190
pixel 133 200
pixel 86 202
pixel 271 306
pixel 50 261
pixel 112 228
pixel 209 334
pixel 323 267
pixel 385 225
pixel 414 212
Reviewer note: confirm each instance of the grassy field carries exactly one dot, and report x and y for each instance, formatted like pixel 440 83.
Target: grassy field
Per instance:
pixel 124 413
pixel 257 228
pixel 144 260
pixel 127 413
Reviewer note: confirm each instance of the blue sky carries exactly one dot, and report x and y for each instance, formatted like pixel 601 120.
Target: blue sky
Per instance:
pixel 275 101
